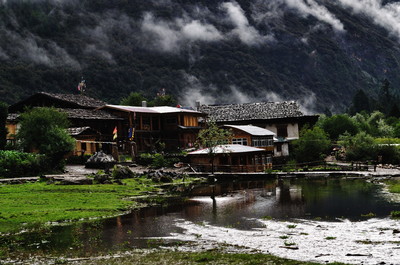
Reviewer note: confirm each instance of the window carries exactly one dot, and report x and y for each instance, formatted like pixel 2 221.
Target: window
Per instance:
pixel 242 141
pixel 282 130
pixel 279 147
pixel 262 142
pixel 269 160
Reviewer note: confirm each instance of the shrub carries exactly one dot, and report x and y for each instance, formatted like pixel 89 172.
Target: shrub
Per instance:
pixel 18 164
pixel 159 161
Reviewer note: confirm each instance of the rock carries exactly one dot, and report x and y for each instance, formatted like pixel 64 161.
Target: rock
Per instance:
pixel 122 172
pixel 100 160
pixel 76 181
pixel 102 178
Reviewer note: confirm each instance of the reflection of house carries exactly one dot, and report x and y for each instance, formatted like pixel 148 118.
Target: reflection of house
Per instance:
pixel 81 112
pixel 152 126
pixel 282 118
pixel 231 158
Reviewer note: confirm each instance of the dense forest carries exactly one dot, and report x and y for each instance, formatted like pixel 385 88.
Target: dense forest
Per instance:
pixel 318 52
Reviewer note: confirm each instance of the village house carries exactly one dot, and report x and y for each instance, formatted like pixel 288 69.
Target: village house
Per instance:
pixel 230 158
pixel 284 119
pixel 250 149
pixel 152 128
pixel 92 128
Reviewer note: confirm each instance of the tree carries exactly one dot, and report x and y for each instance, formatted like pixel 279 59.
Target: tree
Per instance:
pixel 3 129
pixel 360 103
pixel 360 147
pixel 134 99
pixel 312 145
pixel 166 100
pixel 337 125
pixel 211 137
pixel 43 130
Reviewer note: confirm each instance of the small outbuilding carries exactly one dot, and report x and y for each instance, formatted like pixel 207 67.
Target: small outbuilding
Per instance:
pixel 231 158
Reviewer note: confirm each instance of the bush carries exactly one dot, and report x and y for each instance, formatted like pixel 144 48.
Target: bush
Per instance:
pixel 15 164
pixel 156 160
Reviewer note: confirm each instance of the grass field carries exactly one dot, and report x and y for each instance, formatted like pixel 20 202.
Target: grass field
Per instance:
pixel 188 258
pixel 35 204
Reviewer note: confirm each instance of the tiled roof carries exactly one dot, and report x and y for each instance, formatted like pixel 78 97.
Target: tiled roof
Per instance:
pixel 77 130
pixel 155 110
pixel 78 99
pixel 228 148
pixel 89 114
pixel 252 111
pixel 252 130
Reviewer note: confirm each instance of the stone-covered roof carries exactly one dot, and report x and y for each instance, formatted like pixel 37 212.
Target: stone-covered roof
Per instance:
pixel 78 99
pixel 89 114
pixel 84 114
pixel 252 111
pixel 45 99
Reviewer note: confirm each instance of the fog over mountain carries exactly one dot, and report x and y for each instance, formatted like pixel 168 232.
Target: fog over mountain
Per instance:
pixel 319 52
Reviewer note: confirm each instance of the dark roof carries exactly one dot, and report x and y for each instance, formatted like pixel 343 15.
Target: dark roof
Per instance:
pixel 78 99
pixel 252 111
pixel 84 114
pixel 89 114
pixel 45 99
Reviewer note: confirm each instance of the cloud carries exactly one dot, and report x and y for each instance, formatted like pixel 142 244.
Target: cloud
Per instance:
pixel 28 47
pixel 169 36
pixel 386 16
pixel 268 11
pixel 243 30
pixel 196 91
pixel 312 8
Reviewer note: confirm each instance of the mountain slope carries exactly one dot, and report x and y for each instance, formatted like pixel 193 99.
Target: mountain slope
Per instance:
pixel 318 52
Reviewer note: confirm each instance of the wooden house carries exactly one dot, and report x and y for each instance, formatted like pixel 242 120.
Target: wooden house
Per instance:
pixel 285 119
pixel 151 127
pixel 92 128
pixel 231 158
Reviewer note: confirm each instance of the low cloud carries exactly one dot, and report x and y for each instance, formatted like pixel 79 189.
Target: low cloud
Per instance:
pixel 268 11
pixel 243 30
pixel 31 48
pixel 386 16
pixel 169 36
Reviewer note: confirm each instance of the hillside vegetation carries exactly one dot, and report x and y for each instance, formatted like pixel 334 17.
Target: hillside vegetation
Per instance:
pixel 318 52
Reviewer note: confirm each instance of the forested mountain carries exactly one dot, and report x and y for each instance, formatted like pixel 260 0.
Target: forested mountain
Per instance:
pixel 320 52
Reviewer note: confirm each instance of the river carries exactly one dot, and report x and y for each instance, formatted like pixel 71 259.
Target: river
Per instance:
pixel 323 220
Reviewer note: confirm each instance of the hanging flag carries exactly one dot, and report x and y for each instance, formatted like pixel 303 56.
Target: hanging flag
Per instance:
pixel 115 133
pixel 131 134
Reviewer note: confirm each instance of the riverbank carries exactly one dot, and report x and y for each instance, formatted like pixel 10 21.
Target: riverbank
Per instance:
pixel 32 205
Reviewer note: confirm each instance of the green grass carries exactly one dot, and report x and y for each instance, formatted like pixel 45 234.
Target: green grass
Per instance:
pixel 394 186
pixel 35 204
pixel 209 257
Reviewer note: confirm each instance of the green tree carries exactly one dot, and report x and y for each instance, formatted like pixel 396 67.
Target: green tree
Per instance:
pixel 360 103
pixel 312 145
pixel 166 100
pixel 134 99
pixel 43 130
pixel 359 147
pixel 211 137
pixel 3 129
pixel 337 125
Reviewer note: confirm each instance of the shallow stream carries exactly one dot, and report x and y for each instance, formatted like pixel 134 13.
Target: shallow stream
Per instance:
pixel 324 220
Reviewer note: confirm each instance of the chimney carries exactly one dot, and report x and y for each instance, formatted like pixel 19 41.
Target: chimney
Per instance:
pixel 144 103
pixel 197 104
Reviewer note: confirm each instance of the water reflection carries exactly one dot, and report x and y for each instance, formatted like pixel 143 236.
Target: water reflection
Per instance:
pixel 233 204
